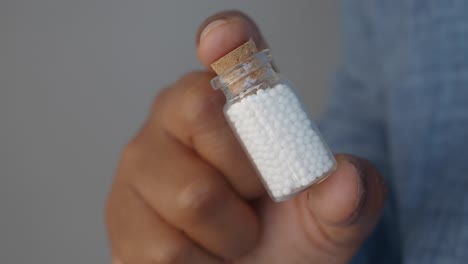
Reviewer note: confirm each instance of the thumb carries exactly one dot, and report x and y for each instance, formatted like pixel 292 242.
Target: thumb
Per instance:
pixel 325 224
pixel 347 205
pixel 223 32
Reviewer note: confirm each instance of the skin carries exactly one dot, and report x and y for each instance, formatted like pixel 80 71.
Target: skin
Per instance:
pixel 185 192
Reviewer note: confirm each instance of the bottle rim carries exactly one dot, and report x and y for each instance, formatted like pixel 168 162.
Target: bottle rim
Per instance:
pixel 242 70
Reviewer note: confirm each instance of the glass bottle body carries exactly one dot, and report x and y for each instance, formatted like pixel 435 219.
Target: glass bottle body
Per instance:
pixel 276 132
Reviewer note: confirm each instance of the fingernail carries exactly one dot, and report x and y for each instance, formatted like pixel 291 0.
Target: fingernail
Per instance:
pixel 363 182
pixel 212 26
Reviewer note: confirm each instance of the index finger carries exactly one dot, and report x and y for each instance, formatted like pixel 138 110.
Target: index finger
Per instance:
pixel 197 117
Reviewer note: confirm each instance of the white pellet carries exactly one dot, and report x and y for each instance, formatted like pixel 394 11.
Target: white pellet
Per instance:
pixel 281 140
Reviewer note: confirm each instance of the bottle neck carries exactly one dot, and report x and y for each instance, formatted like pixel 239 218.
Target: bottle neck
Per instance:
pixel 246 77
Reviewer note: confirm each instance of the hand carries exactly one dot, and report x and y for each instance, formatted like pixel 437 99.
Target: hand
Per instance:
pixel 186 193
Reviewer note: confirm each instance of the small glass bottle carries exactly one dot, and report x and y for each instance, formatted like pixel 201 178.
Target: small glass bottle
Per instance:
pixel 284 146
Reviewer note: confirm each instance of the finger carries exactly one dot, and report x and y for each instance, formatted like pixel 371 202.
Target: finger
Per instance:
pixel 138 235
pixel 347 205
pixel 223 32
pixel 116 260
pixel 190 194
pixel 215 141
pixel 192 112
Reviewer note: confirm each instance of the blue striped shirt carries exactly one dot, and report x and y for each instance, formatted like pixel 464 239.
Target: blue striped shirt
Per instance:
pixel 400 99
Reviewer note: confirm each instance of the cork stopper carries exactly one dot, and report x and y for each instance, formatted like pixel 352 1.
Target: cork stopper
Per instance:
pixel 244 68
pixel 240 54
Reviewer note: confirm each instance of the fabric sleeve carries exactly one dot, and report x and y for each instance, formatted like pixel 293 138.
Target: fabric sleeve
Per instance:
pixel 354 121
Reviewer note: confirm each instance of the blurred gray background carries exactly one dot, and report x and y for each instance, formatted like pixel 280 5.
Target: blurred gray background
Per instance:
pixel 76 81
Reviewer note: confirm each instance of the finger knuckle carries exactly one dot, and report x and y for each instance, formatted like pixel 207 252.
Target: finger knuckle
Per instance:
pixel 200 200
pixel 200 102
pixel 161 99
pixel 130 152
pixel 130 156
pixel 136 162
pixel 170 253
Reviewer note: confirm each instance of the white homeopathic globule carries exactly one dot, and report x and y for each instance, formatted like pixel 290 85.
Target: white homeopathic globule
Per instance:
pixel 282 142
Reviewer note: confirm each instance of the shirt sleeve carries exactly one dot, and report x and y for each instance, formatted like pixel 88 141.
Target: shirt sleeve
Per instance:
pixel 354 121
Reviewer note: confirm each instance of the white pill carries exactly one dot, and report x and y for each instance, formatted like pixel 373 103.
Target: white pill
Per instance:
pixel 277 193
pixel 286 191
pixel 304 181
pixel 279 138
